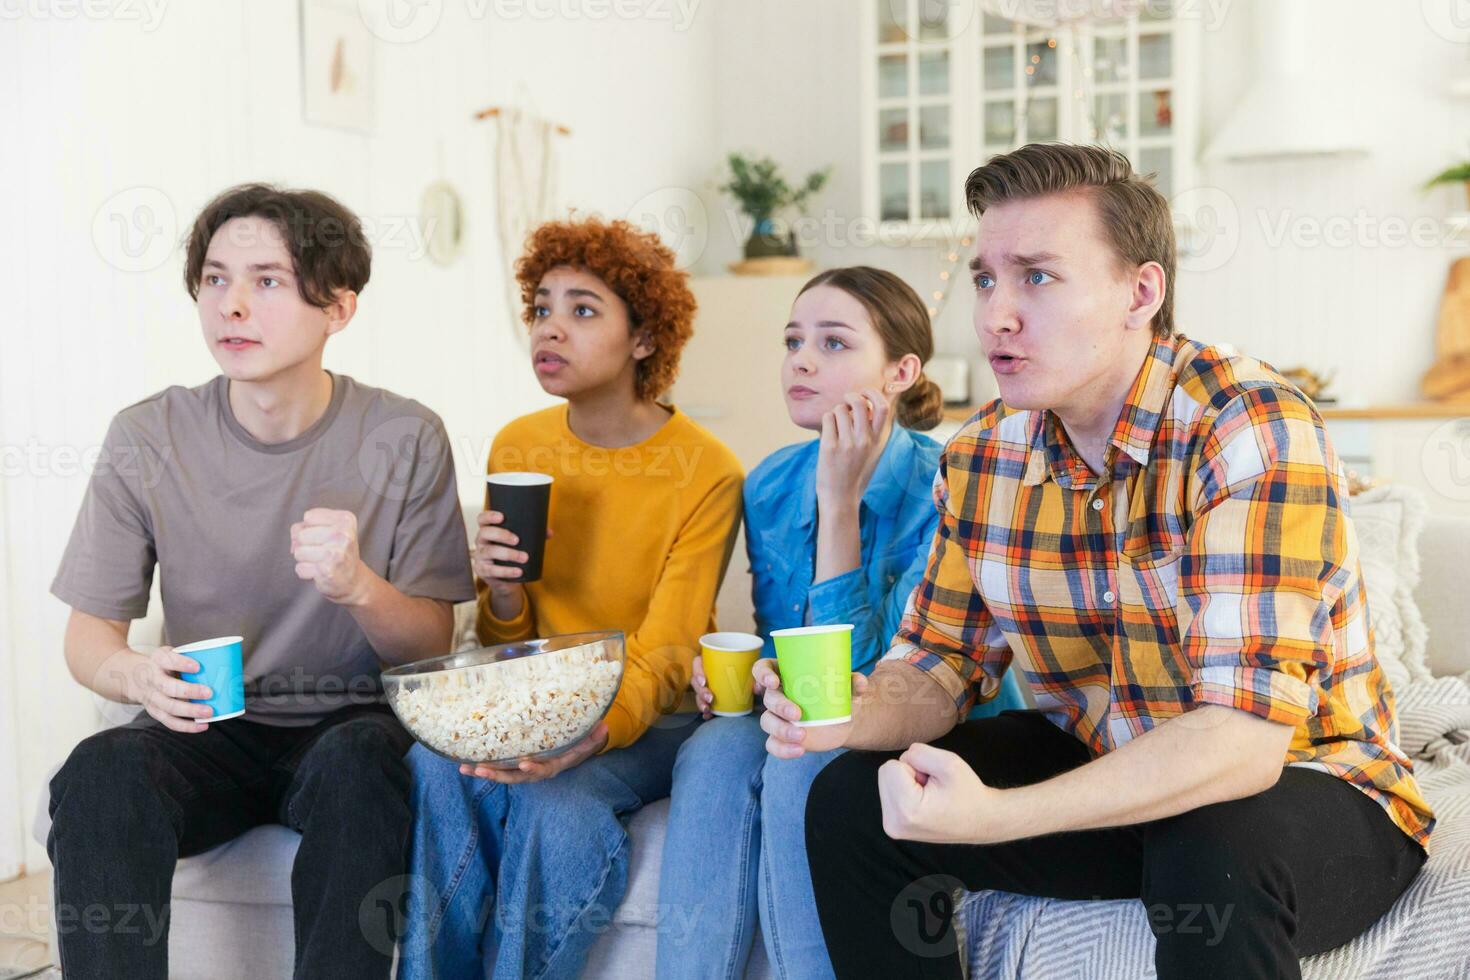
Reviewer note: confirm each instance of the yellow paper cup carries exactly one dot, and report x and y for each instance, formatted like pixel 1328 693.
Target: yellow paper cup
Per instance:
pixel 728 659
pixel 816 671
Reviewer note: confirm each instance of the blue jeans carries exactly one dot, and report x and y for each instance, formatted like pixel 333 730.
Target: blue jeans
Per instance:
pixel 735 854
pixel 526 876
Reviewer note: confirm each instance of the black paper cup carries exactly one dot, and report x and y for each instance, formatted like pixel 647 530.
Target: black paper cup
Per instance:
pixel 524 499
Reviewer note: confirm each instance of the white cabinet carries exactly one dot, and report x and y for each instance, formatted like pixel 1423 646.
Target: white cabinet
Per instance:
pixel 945 86
pixel 1423 446
pixel 730 383
pixel 730 372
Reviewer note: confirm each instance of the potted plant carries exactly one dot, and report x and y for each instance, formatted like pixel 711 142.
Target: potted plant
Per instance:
pixel 758 187
pixel 1458 174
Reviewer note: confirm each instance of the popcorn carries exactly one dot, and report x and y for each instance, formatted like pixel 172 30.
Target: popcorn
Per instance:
pixel 498 712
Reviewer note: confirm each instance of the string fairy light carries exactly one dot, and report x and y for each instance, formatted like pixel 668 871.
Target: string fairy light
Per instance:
pixel 952 257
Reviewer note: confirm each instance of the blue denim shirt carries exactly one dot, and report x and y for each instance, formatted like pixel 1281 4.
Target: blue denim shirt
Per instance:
pixel 896 523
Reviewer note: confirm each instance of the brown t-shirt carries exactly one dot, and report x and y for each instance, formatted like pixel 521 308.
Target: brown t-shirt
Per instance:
pixel 182 485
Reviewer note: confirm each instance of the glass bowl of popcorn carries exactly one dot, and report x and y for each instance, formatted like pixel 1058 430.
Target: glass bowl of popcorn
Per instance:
pixel 503 704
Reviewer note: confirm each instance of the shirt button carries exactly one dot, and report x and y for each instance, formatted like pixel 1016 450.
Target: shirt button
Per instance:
pixel 796 608
pixel 1097 504
pixel 1109 596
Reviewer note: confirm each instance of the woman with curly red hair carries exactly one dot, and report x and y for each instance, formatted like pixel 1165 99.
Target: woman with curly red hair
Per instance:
pixel 645 505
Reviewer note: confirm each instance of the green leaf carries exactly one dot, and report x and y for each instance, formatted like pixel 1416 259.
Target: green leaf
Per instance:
pixel 758 187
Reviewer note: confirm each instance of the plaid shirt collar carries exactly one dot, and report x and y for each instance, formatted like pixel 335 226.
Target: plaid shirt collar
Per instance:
pixel 1052 453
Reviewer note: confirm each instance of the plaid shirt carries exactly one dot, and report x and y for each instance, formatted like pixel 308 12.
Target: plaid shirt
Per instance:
pixel 1217 565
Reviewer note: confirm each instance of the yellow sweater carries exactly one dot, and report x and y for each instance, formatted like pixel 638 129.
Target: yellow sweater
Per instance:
pixel 642 535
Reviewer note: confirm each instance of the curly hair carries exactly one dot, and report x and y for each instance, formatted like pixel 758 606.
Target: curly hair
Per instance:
pixel 635 265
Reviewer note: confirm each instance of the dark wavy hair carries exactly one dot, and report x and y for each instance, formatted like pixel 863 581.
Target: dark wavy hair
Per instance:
pixel 328 249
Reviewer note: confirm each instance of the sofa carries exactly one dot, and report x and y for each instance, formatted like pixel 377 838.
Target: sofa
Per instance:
pixel 232 905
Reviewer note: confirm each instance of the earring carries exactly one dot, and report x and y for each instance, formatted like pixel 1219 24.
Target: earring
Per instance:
pixel 890 386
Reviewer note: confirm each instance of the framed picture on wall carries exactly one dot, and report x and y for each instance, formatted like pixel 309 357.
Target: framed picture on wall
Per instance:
pixel 337 62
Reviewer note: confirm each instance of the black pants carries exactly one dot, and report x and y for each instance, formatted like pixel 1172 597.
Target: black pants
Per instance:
pixel 1236 889
pixel 130 801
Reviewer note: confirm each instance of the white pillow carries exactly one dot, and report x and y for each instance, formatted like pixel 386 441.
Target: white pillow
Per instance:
pixel 464 639
pixel 1388 520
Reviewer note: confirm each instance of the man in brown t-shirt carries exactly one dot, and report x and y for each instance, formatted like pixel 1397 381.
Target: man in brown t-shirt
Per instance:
pixel 315 517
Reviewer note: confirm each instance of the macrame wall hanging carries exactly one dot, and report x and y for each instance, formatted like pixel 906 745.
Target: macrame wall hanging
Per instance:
pixel 526 166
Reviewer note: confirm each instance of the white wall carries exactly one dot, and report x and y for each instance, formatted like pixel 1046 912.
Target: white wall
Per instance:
pixel 12 845
pixel 210 96
pixel 1365 308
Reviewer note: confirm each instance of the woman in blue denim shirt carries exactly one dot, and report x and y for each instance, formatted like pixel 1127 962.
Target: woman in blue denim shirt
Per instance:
pixel 838 531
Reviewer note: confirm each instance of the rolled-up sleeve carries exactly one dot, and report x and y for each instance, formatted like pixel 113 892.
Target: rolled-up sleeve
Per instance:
pixel 1266 558
pixel 947 630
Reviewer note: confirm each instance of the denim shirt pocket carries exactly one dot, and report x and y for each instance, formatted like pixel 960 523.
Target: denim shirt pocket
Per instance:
pixel 780 595
pixel 889 567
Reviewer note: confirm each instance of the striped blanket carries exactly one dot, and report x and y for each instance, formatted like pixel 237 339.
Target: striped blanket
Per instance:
pixel 1425 935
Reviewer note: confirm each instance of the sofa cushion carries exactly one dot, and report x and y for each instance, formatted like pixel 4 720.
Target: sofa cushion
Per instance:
pixel 1388 520
pixel 627 951
pixel 1443 596
pixel 646 830
pixel 252 869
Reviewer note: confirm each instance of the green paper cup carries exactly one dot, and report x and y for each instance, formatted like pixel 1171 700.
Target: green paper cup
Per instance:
pixel 816 671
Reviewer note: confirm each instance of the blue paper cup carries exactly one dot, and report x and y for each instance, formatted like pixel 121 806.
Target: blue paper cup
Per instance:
pixel 222 670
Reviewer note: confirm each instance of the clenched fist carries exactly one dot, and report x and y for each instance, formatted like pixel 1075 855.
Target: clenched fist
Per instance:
pixel 324 544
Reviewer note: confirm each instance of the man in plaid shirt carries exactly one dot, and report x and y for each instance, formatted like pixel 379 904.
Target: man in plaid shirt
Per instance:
pixel 1157 534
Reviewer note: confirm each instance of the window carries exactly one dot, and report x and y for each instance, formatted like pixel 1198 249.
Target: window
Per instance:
pixel 946 86
pixel 915 111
